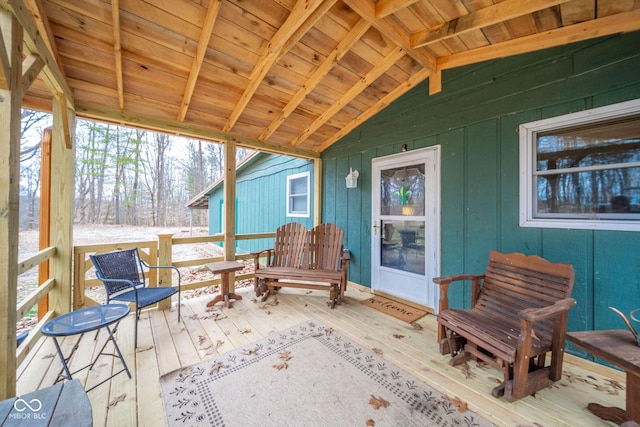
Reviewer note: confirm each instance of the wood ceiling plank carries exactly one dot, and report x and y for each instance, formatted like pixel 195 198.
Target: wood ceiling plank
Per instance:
pixel 393 31
pixel 117 50
pixel 482 18
pixel 379 69
pixel 577 11
pixel 203 42
pixel 297 17
pixel 611 7
pixel 619 23
pixel 336 55
pixel 379 106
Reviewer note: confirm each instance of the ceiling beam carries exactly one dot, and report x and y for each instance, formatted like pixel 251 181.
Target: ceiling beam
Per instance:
pixel 36 8
pixel 392 31
pixel 110 115
pixel 387 7
pixel 613 24
pixel 316 77
pixel 383 103
pixel 380 68
pixel 481 18
pixel 302 10
pixel 201 50
pixel 117 50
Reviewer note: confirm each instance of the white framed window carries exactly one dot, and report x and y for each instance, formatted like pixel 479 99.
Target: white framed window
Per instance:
pixel 582 170
pixel 298 190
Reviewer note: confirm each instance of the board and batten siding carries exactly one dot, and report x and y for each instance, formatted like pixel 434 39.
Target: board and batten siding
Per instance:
pixel 261 198
pixel 475 120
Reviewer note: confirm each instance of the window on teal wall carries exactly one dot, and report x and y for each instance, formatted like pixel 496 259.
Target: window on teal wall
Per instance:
pixel 582 170
pixel 298 200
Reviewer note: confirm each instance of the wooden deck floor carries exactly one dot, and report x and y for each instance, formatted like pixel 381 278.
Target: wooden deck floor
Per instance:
pixel 165 345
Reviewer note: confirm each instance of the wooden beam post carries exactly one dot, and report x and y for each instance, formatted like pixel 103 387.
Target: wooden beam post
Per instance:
pixel 317 192
pixel 45 214
pixel 165 257
pixel 229 214
pixel 10 103
pixel 62 190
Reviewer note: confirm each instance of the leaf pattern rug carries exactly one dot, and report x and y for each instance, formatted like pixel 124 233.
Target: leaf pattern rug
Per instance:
pixel 308 375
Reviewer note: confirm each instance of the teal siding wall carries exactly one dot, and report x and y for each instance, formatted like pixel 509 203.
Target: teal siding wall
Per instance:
pixel 261 198
pixel 475 120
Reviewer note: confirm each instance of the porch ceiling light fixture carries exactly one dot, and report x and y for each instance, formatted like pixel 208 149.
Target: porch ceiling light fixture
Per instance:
pixel 352 178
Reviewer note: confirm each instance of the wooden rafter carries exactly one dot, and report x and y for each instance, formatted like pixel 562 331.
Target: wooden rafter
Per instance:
pixel 316 77
pixel 392 31
pixel 299 14
pixel 31 67
pixel 379 69
pixel 201 50
pixel 117 50
pixel 481 18
pixel 387 7
pixel 613 24
pixel 4 63
pixel 36 9
pixel 377 107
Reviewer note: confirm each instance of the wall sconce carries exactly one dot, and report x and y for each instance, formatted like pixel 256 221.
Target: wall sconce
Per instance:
pixel 352 178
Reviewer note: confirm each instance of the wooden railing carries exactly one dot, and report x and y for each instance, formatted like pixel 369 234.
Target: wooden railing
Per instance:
pixel 49 286
pixel 154 252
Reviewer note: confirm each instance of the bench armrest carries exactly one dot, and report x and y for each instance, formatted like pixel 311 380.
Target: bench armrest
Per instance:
pixel 264 252
pixel 537 314
pixel 456 278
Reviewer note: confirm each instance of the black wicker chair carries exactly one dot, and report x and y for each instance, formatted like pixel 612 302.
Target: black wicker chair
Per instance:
pixel 122 273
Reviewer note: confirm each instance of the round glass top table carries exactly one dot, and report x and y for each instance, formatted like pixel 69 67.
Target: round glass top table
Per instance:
pixel 86 320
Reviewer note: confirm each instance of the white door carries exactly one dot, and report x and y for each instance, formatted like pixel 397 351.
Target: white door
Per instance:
pixel 406 225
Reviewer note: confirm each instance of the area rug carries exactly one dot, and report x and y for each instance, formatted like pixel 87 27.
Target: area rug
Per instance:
pixel 309 375
pixel 394 308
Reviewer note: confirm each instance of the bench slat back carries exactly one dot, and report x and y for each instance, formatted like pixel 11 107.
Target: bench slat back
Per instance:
pixel 514 282
pixel 325 246
pixel 290 245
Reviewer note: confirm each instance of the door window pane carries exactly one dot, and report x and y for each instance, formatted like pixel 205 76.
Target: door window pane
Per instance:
pixel 403 246
pixel 402 191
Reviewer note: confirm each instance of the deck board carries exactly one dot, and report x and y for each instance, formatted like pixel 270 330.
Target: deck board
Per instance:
pixel 165 345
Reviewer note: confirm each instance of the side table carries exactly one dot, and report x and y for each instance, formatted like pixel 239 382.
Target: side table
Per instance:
pixel 619 348
pixel 85 320
pixel 224 268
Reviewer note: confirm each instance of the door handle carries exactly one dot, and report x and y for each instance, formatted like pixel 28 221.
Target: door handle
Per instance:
pixel 375 228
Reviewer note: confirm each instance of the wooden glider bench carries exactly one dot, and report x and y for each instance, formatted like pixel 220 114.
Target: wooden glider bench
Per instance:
pixel 301 258
pixel 519 314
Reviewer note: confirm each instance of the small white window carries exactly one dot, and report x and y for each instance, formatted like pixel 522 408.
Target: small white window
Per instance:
pixel 582 170
pixel 298 203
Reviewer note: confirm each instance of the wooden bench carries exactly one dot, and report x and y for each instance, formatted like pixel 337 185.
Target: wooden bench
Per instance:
pixel 301 258
pixel 518 314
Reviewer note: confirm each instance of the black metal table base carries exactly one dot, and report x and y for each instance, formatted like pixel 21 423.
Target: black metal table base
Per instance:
pixel 68 374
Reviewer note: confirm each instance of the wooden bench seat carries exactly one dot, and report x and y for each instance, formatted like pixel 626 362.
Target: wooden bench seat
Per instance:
pixel 518 314
pixel 306 259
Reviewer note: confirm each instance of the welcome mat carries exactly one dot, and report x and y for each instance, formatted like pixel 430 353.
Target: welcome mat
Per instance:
pixel 394 308
pixel 308 375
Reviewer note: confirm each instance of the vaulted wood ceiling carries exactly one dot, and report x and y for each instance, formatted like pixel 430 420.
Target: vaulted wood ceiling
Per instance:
pixel 290 76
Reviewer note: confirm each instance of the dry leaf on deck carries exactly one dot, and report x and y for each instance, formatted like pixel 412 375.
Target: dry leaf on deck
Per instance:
pixel 378 402
pixel 245 331
pixel 328 331
pixel 615 384
pixel 250 351
pixel 285 355
pixel 377 351
pixel 202 339
pixel 417 326
pixel 398 336
pixel 216 367
pixel 370 423
pixel 117 399
pixel 462 406
pixel 281 366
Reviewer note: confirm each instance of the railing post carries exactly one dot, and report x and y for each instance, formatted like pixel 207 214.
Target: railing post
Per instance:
pixel 164 258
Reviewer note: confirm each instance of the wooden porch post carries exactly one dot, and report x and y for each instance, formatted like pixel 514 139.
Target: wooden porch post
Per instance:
pixel 45 214
pixel 10 103
pixel 317 191
pixel 230 207
pixel 62 190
